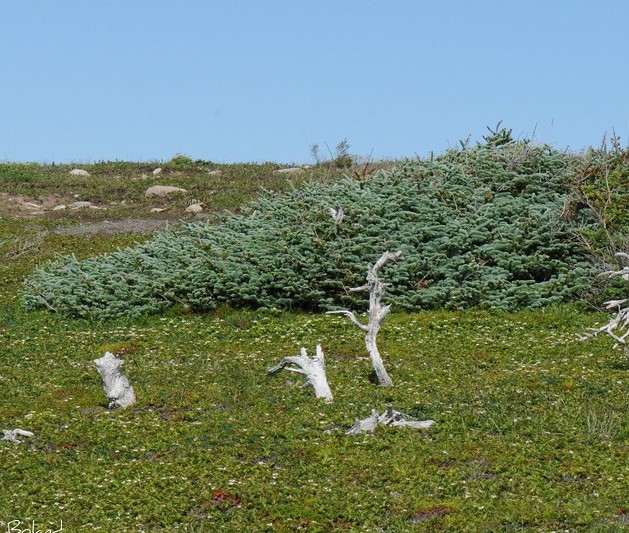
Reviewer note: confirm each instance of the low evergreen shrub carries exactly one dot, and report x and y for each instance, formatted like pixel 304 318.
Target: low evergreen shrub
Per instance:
pixel 480 226
pixel 600 187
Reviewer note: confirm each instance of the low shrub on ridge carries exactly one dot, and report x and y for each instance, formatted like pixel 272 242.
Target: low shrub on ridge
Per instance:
pixel 478 227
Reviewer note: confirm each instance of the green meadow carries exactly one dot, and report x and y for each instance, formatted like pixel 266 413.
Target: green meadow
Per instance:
pixel 532 425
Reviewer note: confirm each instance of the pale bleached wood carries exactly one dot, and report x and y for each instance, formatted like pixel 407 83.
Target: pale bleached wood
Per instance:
pixel 337 214
pixel 312 367
pixel 377 314
pixel 366 425
pixel 618 326
pixel 390 417
pixel 115 384
pixel 13 434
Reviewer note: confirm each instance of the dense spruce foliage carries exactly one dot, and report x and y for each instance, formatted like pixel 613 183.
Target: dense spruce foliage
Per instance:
pixel 481 226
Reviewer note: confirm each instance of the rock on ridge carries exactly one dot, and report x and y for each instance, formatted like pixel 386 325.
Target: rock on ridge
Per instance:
pixel 162 190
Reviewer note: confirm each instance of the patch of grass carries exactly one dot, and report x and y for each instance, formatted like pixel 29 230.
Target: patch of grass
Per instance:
pixel 213 444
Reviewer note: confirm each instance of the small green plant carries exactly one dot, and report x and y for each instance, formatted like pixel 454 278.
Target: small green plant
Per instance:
pixel 339 159
pixel 181 161
pixel 342 158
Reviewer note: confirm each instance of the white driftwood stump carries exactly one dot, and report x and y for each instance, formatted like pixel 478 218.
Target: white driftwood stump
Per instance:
pixel 618 326
pixel 115 384
pixel 313 368
pixel 12 435
pixel 377 314
pixel 389 418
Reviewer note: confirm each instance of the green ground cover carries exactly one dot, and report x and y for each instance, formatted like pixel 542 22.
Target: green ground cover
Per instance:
pixel 532 430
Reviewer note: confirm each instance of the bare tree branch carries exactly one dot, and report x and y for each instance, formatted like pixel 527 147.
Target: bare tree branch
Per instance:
pixel 377 314
pixel 352 318
pixel 12 435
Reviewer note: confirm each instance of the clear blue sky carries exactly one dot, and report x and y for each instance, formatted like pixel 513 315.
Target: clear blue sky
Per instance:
pixel 263 80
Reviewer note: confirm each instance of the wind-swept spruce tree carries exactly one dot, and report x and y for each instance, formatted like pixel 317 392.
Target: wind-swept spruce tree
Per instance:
pixel 480 226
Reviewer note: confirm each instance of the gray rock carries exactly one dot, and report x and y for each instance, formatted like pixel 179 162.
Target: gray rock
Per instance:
pixel 79 172
pixel 80 205
pixel 157 171
pixel 60 207
pixel 292 170
pixel 162 190
pixel 194 208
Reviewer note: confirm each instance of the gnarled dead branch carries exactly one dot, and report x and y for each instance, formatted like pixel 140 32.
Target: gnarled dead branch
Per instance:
pixel 13 434
pixel 390 417
pixel 377 314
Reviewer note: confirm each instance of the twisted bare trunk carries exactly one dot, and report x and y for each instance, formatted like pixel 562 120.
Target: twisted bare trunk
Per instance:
pixel 377 315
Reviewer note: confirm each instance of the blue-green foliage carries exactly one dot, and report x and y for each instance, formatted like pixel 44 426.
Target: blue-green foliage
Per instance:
pixel 478 227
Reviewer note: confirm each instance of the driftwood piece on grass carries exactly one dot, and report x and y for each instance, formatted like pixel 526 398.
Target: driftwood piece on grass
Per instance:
pixel 618 326
pixel 115 384
pixel 312 367
pixel 376 316
pixel 12 435
pixel 366 425
pixel 389 418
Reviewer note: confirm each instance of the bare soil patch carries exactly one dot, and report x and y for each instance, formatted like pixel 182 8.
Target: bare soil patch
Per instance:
pixel 35 207
pixel 113 227
pixel 20 205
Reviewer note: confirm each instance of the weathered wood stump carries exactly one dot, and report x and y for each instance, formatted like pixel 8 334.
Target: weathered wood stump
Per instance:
pixel 115 384
pixel 313 368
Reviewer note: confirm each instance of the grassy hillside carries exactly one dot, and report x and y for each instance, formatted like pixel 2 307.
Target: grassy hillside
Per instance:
pixel 532 430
